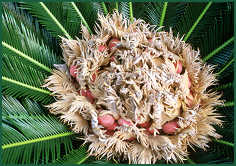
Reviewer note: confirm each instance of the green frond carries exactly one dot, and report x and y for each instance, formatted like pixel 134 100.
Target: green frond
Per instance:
pixel 90 12
pixel 221 149
pixel 46 16
pixel 77 156
pixel 220 59
pixel 21 80
pixel 185 16
pixel 117 6
pixel 163 13
pixel 27 61
pixel 224 146
pixel 210 157
pixel 221 161
pixel 19 41
pixel 19 89
pixel 21 17
pixel 99 7
pixel 224 86
pixel 31 23
pixel 226 89
pixel 190 161
pixel 31 136
pixel 124 8
pixel 197 21
pixel 229 104
pixel 27 57
pixel 224 142
pixel 225 67
pixel 218 49
pixel 101 161
pixel 214 29
pixel 69 16
pixel 152 12
pixel 131 12
pixel 104 8
pixel 75 8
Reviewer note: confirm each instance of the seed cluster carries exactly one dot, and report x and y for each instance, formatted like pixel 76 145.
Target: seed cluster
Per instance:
pixel 135 91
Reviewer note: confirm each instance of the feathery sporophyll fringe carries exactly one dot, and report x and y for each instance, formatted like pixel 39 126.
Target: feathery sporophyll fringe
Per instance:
pixel 136 92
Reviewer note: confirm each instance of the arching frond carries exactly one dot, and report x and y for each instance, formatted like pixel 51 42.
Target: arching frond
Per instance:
pixel 21 42
pixel 153 12
pixel 47 16
pixel 29 135
pixel 21 80
pixel 23 17
pixel 77 156
pixel 124 9
pixel 214 29
pixel 31 45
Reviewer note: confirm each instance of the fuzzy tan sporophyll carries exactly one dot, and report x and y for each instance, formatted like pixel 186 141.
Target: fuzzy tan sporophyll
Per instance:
pixel 135 92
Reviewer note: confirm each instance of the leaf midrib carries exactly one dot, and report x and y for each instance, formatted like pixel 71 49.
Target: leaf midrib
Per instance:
pixel 36 140
pixel 55 20
pixel 25 85
pixel 21 54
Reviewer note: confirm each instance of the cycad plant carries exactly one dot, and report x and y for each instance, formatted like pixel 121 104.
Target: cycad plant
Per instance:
pixel 36 36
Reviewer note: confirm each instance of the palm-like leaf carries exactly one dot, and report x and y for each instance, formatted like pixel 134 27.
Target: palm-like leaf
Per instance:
pixel 77 156
pixel 27 60
pixel 29 52
pixel 153 12
pixel 20 41
pixel 126 9
pixel 22 17
pixel 20 80
pixel 30 135
pixel 47 17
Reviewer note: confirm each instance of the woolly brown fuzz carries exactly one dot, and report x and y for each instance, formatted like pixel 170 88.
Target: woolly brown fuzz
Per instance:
pixel 147 88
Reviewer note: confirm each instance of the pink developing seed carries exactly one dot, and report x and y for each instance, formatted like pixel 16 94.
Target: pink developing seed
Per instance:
pixel 170 127
pixel 131 139
pixel 189 82
pixel 73 71
pixel 102 48
pixel 112 127
pixel 112 59
pixel 113 42
pixel 83 92
pixel 90 96
pixel 123 122
pixel 106 120
pixel 145 125
pixel 93 77
pixel 178 67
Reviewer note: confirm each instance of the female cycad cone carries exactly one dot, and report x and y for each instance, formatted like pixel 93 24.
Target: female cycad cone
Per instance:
pixel 135 92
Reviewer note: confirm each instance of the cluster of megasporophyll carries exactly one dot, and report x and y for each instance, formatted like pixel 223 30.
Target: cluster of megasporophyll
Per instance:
pixel 135 92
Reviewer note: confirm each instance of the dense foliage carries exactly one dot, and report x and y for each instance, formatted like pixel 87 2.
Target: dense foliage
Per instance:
pixel 31 45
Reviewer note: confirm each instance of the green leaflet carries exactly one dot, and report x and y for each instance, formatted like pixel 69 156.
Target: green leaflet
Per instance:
pixel 218 49
pixel 9 47
pixel 104 8
pixel 77 156
pixel 197 21
pixel 124 8
pixel 27 126
pixel 20 41
pixel 81 16
pixel 21 80
pixel 30 135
